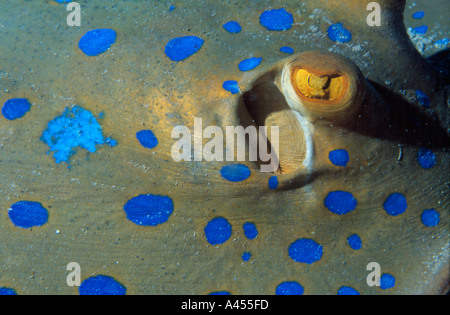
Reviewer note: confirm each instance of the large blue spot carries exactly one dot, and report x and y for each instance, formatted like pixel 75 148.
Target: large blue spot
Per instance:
pixel 218 231
pixel 340 202
pixel 235 172
pixel 101 285
pixel 287 50
pixel 426 158
pixel 387 281
pixel 181 48
pixel 232 27
pixel 338 33
pixel 420 29
pixel 273 182
pixel 423 98
pixel 289 288
pixel 430 217
pixel 249 64
pixel 7 291
pixel 339 157
pixel 26 214
pixel 231 86
pixel 149 210
pixel 147 139
pixel 97 41
pixel 418 15
pixel 305 251
pixel 347 291
pixel 355 242
pixel 76 127
pixel 395 204
pixel 250 230
pixel 15 108
pixel 276 20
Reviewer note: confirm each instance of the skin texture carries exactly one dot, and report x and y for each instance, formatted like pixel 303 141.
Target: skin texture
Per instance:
pixel 137 87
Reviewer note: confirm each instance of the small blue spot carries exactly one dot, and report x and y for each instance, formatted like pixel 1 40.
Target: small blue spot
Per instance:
pixel 76 127
pixel 418 15
pixel 305 251
pixel 395 204
pixel 250 230
pixel 338 33
pixel 26 214
pixel 387 281
pixel 287 49
pixel 149 210
pixel 273 182
pixel 232 27
pixel 235 172
pixel 426 158
pixel 181 48
pixel 355 242
pixel 111 142
pixel 347 291
pixel 422 98
pixel 101 285
pixel 249 64
pixel 15 108
pixel 171 8
pixel 231 86
pixel 339 157
pixel 420 29
pixel 220 293
pixel 97 41
pixel 246 256
pixel 430 217
pixel 218 231
pixel 7 291
pixel 276 20
pixel 63 1
pixel 289 288
pixel 340 202
pixel 147 139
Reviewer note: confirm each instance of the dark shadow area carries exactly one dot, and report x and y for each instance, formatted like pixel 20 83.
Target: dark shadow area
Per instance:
pixel 441 62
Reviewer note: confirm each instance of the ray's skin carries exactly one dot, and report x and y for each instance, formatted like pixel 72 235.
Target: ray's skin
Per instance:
pixel 139 88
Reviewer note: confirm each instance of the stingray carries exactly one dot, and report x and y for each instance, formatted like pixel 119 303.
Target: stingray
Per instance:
pixel 357 205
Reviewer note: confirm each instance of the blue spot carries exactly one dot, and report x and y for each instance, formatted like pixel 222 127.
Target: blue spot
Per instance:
pixel 418 15
pixel 147 139
pixel 63 1
pixel 235 172
pixel 338 33
pixel 232 27
pixel 249 64
pixel 287 49
pixel 305 251
pixel 387 281
pixel 430 217
pixel 76 127
pixel 15 108
pixel 7 291
pixel 395 204
pixel 246 256
pixel 101 285
pixel 422 98
pixel 273 182
pixel 420 29
pixel 289 288
pixel 340 202
pixel 111 142
pixel 231 86
pixel 442 43
pixel 149 210
pixel 218 231
pixel 339 157
pixel 276 20
pixel 355 242
pixel 250 230
pixel 220 293
pixel 347 291
pixel 26 214
pixel 97 41
pixel 426 158
pixel 181 48
pixel 171 8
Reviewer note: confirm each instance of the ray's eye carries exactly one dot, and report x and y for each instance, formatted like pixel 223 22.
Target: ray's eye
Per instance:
pixel 324 87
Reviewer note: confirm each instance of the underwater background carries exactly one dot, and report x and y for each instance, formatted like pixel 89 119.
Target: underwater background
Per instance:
pixel 87 176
